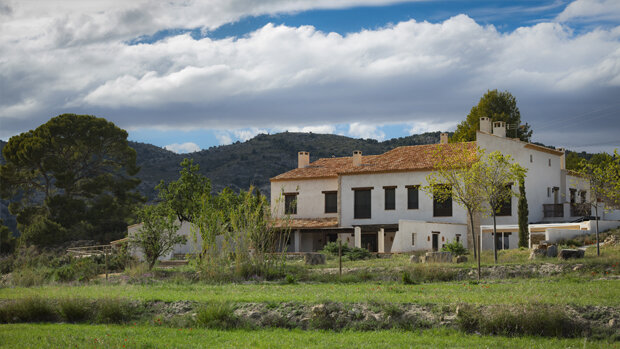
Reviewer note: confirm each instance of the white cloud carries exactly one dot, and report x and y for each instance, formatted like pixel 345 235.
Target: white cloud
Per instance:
pixel 71 56
pixel 324 129
pixel 223 137
pixel 591 10
pixel 359 130
pixel 247 134
pixel 187 147
pixel 426 126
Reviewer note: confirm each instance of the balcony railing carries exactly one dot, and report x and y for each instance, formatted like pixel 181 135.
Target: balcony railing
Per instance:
pixel 553 210
pixel 580 210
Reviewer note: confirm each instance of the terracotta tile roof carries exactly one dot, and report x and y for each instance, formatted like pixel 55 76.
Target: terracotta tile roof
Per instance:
pixel 322 168
pixel 309 223
pixel 408 158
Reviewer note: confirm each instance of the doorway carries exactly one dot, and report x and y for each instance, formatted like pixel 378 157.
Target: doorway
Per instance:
pixel 435 240
pixel 369 242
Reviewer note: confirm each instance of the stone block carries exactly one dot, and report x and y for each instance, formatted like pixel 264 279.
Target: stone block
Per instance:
pixel 461 259
pixel 438 257
pixel 552 251
pixel 314 258
pixel 571 253
pixel 414 259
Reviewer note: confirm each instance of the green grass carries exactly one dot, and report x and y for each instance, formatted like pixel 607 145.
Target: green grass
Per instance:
pixel 557 290
pixel 115 336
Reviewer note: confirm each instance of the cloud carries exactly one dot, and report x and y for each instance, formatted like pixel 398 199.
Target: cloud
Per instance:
pixel 426 126
pixel 74 58
pixel 324 129
pixel 590 10
pixel 187 147
pixel 223 137
pixel 360 130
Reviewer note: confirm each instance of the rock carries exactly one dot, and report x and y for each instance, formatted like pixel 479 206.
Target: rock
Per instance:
pixel 538 253
pixel 612 323
pixel 578 267
pixel 438 257
pixel 314 258
pixel 552 251
pixel 612 240
pixel 461 259
pixel 571 253
pixel 414 259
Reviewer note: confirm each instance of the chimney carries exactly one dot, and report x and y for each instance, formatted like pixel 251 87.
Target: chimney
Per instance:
pixel 485 124
pixel 562 159
pixel 499 129
pixel 303 159
pixel 357 158
pixel 443 138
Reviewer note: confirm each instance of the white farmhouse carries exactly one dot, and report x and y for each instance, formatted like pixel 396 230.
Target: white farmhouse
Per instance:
pixel 375 201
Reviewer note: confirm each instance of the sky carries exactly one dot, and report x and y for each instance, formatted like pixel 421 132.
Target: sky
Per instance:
pixel 188 75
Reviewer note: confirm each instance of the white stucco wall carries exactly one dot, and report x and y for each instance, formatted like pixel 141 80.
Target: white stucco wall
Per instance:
pixel 540 175
pixel 310 200
pixel 188 248
pixel 423 230
pixel 378 213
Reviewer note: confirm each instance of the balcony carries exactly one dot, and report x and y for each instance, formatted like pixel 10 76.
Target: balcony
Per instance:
pixel 580 210
pixel 553 210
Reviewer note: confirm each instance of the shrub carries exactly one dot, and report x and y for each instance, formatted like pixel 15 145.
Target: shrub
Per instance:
pixel 357 253
pixel 407 280
pixel 114 310
pixel 75 309
pixel 331 248
pixel 456 248
pixel 29 276
pixel 291 279
pixel 530 320
pixel 32 309
pixel 218 316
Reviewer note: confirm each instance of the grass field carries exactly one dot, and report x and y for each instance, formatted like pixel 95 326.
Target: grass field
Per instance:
pixel 115 336
pixel 558 290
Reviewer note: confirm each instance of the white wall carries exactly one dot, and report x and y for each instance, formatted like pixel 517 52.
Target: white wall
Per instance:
pixel 185 229
pixel 310 201
pixel 378 213
pixel 540 175
pixel 424 230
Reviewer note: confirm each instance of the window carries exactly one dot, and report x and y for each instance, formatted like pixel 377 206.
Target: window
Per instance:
pixel 573 196
pixel 290 203
pixel 442 206
pixel 361 208
pixel 505 209
pixel 506 241
pixel 502 241
pixel 331 201
pixel 390 198
pixel 458 237
pixel 548 192
pixel 531 158
pixel 583 196
pixel 549 162
pixel 412 197
pixel 413 236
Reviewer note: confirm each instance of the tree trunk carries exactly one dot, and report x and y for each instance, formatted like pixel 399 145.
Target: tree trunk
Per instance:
pixel 598 250
pixel 494 238
pixel 473 234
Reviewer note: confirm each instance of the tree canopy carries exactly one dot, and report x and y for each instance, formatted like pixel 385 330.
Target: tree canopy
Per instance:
pixel 499 106
pixel 70 178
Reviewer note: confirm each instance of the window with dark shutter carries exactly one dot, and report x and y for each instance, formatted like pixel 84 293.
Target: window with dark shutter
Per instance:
pixel 361 208
pixel 290 203
pixel 390 198
pixel 412 197
pixel 331 201
pixel 442 208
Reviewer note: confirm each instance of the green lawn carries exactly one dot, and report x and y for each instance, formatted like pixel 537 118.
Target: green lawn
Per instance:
pixel 558 290
pixel 115 336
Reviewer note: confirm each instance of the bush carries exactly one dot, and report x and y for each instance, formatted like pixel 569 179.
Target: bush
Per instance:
pixel 430 273
pixel 29 276
pixel 114 310
pixel 33 309
pixel 357 253
pixel 331 248
pixel 456 248
pixel 523 320
pixel 75 309
pixel 217 316
pixel 407 280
